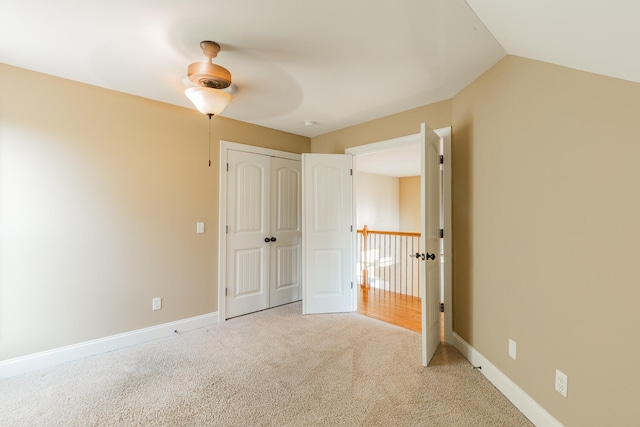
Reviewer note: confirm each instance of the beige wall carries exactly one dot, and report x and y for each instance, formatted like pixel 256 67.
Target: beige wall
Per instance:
pixel 546 225
pixel 100 193
pixel 377 202
pixel 388 203
pixel 410 204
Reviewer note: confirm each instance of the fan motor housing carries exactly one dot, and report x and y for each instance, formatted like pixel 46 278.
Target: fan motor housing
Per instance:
pixel 209 75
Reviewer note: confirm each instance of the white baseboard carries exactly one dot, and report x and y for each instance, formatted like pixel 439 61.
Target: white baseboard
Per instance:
pixel 521 400
pixel 32 362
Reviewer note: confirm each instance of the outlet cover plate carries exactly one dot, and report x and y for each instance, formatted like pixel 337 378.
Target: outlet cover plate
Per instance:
pixel 156 304
pixel 562 383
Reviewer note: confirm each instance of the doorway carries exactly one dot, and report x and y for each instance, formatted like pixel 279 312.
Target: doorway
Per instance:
pixel 398 159
pixel 330 172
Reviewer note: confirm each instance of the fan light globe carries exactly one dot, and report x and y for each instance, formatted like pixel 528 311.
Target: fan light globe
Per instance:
pixel 207 100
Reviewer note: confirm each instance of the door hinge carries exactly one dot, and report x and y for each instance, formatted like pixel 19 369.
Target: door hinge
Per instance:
pixel 442 233
pixel 442 160
pixel 226 291
pixel 227 167
pixel 351 285
pixel 441 307
pixel 226 229
pixel 351 172
pixel 352 228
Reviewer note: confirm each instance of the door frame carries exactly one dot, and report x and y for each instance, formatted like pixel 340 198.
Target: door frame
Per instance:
pixel 446 271
pixel 225 146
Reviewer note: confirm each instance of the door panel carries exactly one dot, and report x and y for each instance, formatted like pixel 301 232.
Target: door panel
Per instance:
pixel 286 179
pixel 248 281
pixel 327 234
pixel 250 203
pixel 329 271
pixel 431 231
pixel 286 229
pixel 248 196
pixel 287 269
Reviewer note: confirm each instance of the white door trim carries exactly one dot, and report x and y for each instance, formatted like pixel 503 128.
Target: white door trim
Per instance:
pixel 445 134
pixel 447 271
pixel 225 146
pixel 387 144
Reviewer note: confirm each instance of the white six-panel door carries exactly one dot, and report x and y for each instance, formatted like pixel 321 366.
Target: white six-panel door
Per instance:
pixel 327 233
pixel 263 232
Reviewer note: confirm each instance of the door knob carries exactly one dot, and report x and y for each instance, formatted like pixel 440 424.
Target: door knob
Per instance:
pixel 267 240
pixel 418 255
pixel 430 256
pixel 273 239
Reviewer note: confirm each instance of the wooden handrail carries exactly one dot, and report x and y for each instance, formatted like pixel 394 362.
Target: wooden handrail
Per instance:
pixel 366 231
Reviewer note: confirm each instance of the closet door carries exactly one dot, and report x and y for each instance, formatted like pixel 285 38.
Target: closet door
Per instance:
pixel 286 230
pixel 248 205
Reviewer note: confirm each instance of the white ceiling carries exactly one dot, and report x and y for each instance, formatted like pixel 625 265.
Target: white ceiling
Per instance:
pixel 599 36
pixel 336 62
pixel 399 162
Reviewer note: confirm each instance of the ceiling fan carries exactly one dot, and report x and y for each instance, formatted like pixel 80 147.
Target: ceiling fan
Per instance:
pixel 210 79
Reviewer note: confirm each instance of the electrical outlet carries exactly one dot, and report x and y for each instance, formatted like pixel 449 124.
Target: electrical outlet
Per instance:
pixel 562 383
pixel 512 349
pixel 156 304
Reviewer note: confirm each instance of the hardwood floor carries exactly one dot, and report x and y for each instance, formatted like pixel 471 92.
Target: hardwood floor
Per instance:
pixel 391 307
pixel 397 309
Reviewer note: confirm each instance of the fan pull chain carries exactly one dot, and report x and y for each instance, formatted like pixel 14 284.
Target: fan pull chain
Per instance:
pixel 209 138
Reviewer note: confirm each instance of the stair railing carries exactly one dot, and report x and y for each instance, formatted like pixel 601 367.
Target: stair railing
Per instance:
pixel 386 261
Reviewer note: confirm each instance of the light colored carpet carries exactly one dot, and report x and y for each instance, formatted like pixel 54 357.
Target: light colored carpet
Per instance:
pixel 273 368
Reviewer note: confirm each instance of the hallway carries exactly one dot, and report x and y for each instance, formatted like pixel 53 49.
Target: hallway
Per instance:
pixel 390 307
pixel 397 309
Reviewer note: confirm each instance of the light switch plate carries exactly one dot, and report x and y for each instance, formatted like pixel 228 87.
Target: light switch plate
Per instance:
pixel 199 227
pixel 512 349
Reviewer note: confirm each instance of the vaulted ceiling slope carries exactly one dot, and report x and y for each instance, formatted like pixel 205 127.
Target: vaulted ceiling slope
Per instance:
pixel 598 36
pixel 335 62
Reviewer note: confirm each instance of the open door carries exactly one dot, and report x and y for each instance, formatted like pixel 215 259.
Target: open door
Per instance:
pixel 327 237
pixel 430 274
pixel 327 234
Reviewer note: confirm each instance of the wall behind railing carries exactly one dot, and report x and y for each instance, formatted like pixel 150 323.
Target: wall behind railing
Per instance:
pixel 409 210
pixel 377 200
pixel 388 203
